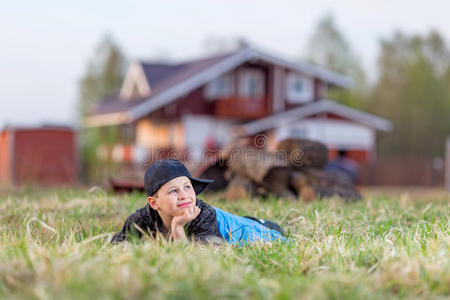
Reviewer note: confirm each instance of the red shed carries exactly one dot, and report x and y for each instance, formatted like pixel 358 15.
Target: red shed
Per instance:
pixel 43 155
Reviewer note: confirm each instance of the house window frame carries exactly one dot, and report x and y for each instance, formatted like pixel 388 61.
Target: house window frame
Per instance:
pixel 244 78
pixel 304 96
pixel 215 90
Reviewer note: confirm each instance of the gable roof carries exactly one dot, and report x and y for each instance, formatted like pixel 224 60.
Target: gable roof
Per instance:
pixel 162 76
pixel 169 82
pixel 317 107
pixel 156 73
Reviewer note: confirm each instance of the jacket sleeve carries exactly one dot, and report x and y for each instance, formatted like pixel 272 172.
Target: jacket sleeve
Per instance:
pixel 204 228
pixel 134 225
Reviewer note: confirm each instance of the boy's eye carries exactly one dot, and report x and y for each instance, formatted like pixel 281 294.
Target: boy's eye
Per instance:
pixel 187 187
pixel 172 191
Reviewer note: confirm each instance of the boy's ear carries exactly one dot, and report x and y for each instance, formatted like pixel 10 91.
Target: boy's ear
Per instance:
pixel 152 201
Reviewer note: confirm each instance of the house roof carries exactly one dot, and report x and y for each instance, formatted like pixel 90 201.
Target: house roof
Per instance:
pixel 156 73
pixel 169 82
pixel 114 104
pixel 317 107
pixel 163 76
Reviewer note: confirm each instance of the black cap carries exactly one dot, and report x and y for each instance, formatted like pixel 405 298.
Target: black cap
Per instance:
pixel 167 169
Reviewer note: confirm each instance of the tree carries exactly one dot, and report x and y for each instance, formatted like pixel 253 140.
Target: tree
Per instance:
pixel 413 92
pixel 329 48
pixel 104 76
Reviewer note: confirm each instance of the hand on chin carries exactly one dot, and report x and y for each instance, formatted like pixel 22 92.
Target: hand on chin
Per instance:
pixel 186 215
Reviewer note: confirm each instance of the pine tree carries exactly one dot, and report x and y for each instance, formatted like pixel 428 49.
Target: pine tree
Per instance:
pixel 329 48
pixel 413 91
pixel 103 77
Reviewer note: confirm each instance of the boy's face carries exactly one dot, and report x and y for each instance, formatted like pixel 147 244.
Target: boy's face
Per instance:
pixel 174 197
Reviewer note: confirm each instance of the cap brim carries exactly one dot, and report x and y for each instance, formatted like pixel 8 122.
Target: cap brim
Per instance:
pixel 200 185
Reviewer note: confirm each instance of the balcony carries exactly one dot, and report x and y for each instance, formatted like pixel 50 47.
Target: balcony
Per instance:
pixel 241 108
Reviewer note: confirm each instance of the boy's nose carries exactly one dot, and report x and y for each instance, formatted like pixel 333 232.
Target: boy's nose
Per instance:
pixel 182 194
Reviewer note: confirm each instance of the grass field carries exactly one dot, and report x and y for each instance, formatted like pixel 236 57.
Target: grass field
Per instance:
pixel 55 244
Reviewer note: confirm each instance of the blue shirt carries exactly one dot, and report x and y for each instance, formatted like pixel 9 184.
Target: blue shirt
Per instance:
pixel 238 230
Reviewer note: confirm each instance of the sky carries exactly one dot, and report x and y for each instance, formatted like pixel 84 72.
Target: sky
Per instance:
pixel 45 45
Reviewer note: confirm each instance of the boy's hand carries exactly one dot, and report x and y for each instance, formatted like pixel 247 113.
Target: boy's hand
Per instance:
pixel 188 215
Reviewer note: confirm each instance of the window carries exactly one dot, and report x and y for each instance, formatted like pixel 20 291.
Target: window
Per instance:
pixel 299 88
pixel 251 83
pixel 221 87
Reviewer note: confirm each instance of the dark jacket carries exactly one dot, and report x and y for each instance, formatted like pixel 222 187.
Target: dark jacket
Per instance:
pixel 149 221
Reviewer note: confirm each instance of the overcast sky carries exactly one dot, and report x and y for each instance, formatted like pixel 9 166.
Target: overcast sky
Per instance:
pixel 44 45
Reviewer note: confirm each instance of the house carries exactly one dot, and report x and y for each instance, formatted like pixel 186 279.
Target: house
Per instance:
pixel 45 155
pixel 204 103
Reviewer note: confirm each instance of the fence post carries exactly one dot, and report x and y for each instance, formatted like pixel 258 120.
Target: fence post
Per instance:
pixel 447 164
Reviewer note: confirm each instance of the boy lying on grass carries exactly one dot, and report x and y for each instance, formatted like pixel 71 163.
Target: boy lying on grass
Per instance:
pixel 174 210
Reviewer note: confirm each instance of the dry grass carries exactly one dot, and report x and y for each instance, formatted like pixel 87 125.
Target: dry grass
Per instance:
pixel 55 244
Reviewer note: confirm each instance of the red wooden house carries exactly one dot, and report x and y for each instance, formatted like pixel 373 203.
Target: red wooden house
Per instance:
pixel 203 103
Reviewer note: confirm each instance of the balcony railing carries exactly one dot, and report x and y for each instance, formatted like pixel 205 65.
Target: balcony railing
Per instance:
pixel 241 108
